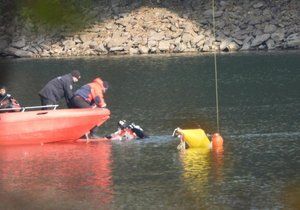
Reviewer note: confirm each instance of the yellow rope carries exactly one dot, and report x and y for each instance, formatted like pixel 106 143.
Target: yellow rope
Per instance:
pixel 216 68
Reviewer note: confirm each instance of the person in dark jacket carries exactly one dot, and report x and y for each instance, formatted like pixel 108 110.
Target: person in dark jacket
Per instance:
pixel 91 95
pixel 7 101
pixel 58 88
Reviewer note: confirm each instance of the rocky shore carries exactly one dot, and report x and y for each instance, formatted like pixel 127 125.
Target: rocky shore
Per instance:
pixel 163 27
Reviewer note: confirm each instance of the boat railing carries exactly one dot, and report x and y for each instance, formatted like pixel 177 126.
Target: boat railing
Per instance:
pixel 27 108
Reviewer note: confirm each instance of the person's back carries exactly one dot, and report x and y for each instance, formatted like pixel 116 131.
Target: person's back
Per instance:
pixel 58 88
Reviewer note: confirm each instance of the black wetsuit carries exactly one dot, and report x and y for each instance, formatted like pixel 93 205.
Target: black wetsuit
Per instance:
pixel 56 89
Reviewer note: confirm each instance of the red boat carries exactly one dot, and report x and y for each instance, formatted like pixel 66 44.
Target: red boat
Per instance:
pixel 45 126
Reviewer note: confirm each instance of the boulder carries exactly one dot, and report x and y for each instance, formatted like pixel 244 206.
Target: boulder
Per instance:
pixel 133 51
pixel 271 44
pixel 278 36
pixel 269 29
pixel 19 43
pixel 259 39
pixel 19 53
pixel 293 41
pixel 143 49
pixel 164 45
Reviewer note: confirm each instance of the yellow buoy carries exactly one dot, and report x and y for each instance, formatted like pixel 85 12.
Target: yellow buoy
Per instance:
pixel 195 138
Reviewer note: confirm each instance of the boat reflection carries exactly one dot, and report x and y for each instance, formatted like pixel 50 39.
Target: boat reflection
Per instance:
pixel 78 173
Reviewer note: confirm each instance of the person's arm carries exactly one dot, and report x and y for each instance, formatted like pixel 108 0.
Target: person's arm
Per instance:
pixel 68 89
pixel 98 98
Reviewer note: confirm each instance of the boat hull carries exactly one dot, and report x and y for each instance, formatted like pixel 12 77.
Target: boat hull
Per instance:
pixel 45 126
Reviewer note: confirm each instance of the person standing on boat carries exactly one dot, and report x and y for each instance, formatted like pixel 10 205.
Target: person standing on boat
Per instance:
pixel 91 95
pixel 6 100
pixel 58 88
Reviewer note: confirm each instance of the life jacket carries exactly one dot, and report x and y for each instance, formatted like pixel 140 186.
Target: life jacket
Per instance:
pixel 93 92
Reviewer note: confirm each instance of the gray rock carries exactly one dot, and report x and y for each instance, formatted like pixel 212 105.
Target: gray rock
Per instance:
pixel 278 36
pixel 19 43
pixel 224 44
pixel 260 39
pixel 270 44
pixel 19 53
pixel 246 46
pixel 270 29
pixel 3 44
pixel 258 5
pixel 293 41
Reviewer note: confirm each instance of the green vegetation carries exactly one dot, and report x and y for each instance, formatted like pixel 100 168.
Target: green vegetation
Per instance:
pixel 55 13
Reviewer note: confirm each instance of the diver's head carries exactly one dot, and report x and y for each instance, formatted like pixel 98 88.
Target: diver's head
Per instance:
pixel 122 124
pixel 2 90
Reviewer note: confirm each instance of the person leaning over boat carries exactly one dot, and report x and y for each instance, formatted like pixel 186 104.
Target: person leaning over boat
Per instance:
pixel 58 88
pixel 91 95
pixel 7 101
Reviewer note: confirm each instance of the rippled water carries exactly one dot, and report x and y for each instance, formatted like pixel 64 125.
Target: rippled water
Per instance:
pixel 258 167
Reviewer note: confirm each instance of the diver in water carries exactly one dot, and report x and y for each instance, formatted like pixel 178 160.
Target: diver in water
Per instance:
pixel 127 132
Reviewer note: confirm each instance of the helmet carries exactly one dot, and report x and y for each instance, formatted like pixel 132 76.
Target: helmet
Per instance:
pixel 122 124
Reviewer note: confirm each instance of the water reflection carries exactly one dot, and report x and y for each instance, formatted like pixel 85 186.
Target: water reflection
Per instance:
pixel 75 176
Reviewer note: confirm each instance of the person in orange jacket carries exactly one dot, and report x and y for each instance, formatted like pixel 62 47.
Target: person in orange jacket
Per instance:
pixel 7 101
pixel 91 95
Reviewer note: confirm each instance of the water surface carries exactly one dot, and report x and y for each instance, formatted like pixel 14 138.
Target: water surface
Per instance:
pixel 259 105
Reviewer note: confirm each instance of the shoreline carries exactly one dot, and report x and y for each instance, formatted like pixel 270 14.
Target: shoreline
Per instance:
pixel 249 26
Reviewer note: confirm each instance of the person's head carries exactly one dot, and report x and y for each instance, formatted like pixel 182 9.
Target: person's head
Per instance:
pixel 2 90
pixel 104 85
pixel 122 124
pixel 75 75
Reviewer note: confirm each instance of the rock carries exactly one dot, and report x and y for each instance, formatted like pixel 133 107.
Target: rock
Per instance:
pixel 68 44
pixel 19 53
pixel 154 36
pixel 164 45
pixel 133 51
pixel 100 48
pixel 246 46
pixel 186 37
pixel 179 48
pixel 260 39
pixel 19 43
pixel 116 41
pixel 116 49
pixel 293 41
pixel 270 44
pixel 224 44
pixel 278 36
pixel 270 29
pixel 3 44
pixel 258 5
pixel 143 49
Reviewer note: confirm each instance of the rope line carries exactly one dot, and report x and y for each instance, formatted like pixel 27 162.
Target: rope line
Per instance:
pixel 216 67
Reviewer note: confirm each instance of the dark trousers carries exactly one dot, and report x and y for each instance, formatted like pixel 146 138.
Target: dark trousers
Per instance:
pixel 79 102
pixel 46 101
